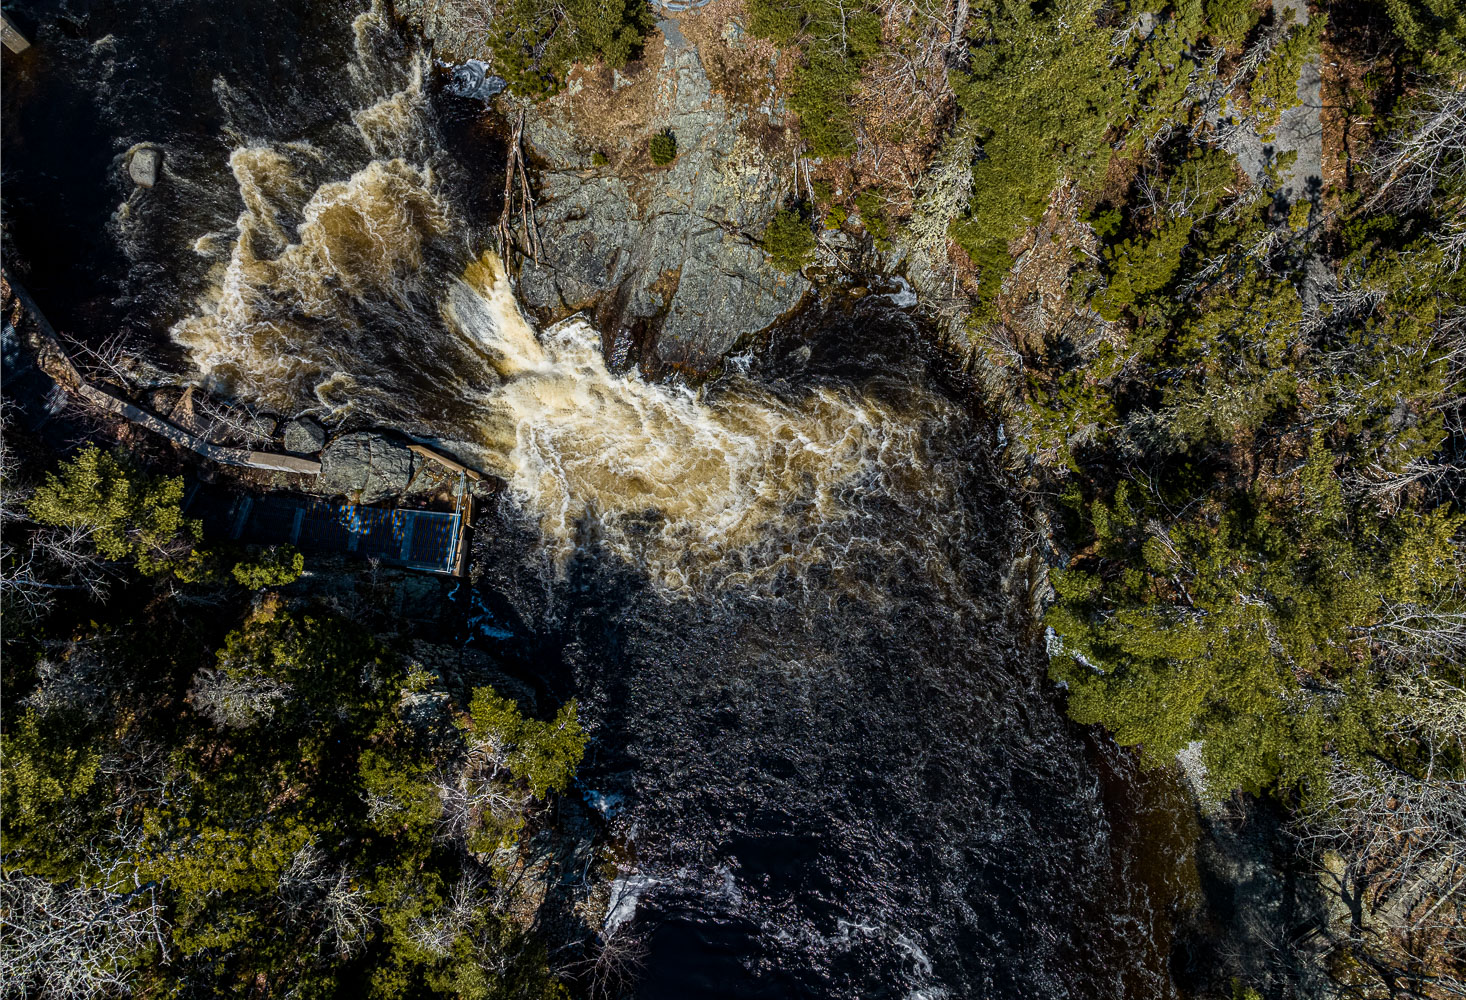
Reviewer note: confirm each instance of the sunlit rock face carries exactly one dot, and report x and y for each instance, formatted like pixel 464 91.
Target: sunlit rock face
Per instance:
pixel 676 245
pixel 349 287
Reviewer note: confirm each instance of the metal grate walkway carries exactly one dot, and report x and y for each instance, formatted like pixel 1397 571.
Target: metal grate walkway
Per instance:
pixel 418 539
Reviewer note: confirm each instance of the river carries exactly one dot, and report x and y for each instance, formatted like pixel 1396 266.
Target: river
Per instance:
pixel 821 730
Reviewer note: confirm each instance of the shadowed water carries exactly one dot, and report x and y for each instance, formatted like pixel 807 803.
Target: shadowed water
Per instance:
pixel 335 290
pixel 836 791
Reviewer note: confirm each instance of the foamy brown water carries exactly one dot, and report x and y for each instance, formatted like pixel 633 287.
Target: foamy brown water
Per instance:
pixel 824 796
pixel 742 485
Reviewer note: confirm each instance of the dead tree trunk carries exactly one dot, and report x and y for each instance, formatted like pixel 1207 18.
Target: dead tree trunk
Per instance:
pixel 514 166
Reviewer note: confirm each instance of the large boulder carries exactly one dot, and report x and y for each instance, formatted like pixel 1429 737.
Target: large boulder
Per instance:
pixel 143 166
pixel 472 79
pixel 304 436
pixel 366 467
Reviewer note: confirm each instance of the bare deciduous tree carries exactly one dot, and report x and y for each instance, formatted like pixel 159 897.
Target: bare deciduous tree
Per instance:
pixel 232 702
pixel 72 942
pixel 1398 845
pixel 436 932
pixel 1414 633
pixel 618 962
pixel 79 677
pixel 107 360
pixel 326 899
pixel 39 563
pixel 1428 152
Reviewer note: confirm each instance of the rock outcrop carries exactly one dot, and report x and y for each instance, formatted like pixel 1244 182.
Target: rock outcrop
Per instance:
pixel 366 467
pixel 666 250
pixel 1299 130
pixel 143 165
pixel 677 245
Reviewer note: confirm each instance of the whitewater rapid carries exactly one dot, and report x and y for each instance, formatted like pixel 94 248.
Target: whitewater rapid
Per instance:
pixel 339 294
pixel 825 758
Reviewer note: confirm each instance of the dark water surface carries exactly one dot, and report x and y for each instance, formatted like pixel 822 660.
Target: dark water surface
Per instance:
pixel 103 76
pixel 852 780
pixel 875 796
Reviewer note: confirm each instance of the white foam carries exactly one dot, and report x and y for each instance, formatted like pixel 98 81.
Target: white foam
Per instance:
pixel 626 893
pixel 904 297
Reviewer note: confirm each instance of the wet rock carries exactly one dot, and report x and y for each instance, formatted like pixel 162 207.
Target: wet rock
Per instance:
pixel 143 166
pixel 425 710
pixel 365 467
pixel 259 426
pixel 676 244
pixel 304 436
pixel 473 80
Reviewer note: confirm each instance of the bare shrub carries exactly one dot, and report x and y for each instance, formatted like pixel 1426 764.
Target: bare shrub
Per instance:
pixel 326 899
pixel 1399 850
pixel 232 702
pixel 436 932
pixel 1429 151
pixel 82 679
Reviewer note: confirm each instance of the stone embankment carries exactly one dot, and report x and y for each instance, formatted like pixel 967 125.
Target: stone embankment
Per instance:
pixel 54 361
pixel 367 466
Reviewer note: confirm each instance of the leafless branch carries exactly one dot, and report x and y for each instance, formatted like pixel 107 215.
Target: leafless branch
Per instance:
pixel 1428 151
pixel 72 942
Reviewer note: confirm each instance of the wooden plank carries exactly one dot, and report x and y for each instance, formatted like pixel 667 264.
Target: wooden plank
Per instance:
pixel 55 363
pixel 460 536
pixel 14 40
pixel 445 461
pixel 283 463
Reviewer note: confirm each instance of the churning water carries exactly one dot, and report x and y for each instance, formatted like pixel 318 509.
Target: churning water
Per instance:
pixel 332 292
pixel 779 597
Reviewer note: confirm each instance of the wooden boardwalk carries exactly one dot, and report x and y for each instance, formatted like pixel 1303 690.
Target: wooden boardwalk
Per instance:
pixel 53 360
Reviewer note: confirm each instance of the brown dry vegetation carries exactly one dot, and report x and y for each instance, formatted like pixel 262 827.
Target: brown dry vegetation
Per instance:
pixel 1035 300
pixel 904 102
pixel 1346 134
pixel 747 72
pixel 616 120
pixel 739 65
